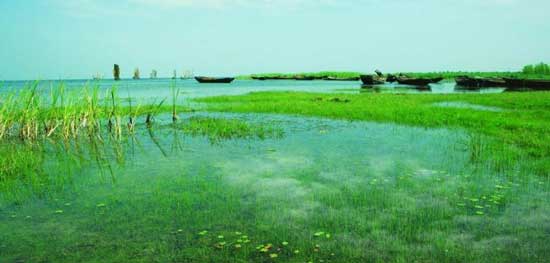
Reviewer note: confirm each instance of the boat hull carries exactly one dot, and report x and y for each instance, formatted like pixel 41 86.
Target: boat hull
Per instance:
pixel 535 84
pixel 214 80
pixel 418 81
pixel 372 80
pixel 469 82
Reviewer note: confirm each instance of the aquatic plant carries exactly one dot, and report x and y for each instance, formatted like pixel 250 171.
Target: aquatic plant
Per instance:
pixel 175 95
pixel 217 129
pixel 32 113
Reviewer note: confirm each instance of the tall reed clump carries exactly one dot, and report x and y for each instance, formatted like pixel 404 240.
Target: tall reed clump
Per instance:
pixel 33 113
pixel 175 95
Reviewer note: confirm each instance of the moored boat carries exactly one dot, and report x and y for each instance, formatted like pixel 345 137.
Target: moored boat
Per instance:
pixel 391 78
pixel 372 80
pixel 535 84
pixel 417 81
pixel 477 82
pixel 214 80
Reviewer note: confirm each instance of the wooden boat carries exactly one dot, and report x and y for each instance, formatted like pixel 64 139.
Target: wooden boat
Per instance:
pixel 417 81
pixel 214 80
pixel 477 82
pixel 341 79
pixel 372 80
pixel 535 84
pixel 391 78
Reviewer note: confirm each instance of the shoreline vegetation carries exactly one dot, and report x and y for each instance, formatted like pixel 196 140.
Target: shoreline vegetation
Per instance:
pixel 445 74
pixel 536 71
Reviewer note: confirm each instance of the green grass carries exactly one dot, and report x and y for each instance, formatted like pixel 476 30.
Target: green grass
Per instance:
pixel 524 121
pixel 32 113
pixel 336 74
pixel 218 129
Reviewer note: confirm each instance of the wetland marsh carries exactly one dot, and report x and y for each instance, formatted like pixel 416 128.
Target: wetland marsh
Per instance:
pixel 273 177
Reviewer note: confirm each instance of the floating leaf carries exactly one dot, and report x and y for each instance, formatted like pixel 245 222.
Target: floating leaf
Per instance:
pixel 273 255
pixel 318 234
pixel 285 243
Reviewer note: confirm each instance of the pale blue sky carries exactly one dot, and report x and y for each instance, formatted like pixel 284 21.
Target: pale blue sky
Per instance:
pixel 52 39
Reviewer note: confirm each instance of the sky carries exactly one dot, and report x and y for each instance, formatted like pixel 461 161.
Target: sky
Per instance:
pixel 75 39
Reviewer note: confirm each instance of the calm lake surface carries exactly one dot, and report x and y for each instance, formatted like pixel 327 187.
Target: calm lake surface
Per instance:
pixel 161 88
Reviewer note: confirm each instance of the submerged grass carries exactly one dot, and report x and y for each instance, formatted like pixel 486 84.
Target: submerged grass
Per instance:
pixel 217 129
pixel 524 122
